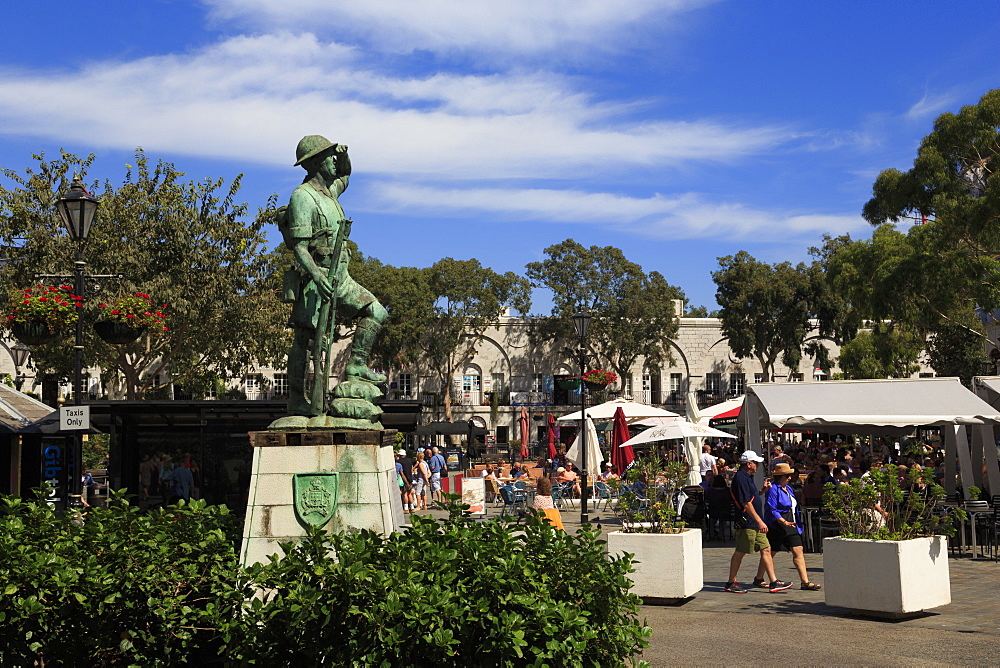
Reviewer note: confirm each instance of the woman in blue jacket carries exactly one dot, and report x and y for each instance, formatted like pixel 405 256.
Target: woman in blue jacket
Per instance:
pixel 784 523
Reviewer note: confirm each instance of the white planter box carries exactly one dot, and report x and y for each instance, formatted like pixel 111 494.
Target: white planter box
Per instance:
pixel 885 576
pixel 669 565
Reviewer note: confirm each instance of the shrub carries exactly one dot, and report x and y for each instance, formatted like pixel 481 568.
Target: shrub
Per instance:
pixel 120 588
pixel 908 504
pixel 458 592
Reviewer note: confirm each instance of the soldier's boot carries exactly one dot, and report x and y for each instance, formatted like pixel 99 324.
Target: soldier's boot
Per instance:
pixel 364 338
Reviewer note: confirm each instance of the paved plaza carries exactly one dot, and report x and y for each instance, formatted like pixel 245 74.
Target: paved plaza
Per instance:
pixel 795 627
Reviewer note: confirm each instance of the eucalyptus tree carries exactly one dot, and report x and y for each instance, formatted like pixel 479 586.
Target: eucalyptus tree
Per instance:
pixel 633 309
pixel 188 244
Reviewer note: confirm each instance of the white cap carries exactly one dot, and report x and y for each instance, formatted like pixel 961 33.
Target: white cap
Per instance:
pixel 402 452
pixel 750 456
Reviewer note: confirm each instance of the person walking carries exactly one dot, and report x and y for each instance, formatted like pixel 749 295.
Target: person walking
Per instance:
pixel 421 477
pixel 784 521
pixel 438 467
pixel 752 536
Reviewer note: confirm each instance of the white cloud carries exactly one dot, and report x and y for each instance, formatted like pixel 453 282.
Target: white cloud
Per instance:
pixel 511 27
pixel 252 98
pixel 685 216
pixel 931 105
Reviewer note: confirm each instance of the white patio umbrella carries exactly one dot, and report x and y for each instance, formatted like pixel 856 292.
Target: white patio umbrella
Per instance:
pixel 594 456
pixel 692 435
pixel 632 410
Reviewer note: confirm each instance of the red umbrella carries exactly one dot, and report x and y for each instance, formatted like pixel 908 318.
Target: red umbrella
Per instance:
pixel 525 428
pixel 621 457
pixel 552 436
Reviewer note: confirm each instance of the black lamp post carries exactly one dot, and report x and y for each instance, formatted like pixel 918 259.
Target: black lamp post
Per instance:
pixel 77 209
pixel 581 321
pixel 19 354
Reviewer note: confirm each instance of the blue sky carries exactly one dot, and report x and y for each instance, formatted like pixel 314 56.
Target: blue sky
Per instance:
pixel 676 130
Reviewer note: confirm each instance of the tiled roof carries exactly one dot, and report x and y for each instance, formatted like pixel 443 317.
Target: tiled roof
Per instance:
pixel 19 410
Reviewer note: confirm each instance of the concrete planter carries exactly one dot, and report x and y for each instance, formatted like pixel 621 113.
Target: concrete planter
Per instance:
pixel 885 577
pixel 669 566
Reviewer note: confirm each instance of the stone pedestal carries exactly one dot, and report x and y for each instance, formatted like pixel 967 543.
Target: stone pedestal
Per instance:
pixel 367 498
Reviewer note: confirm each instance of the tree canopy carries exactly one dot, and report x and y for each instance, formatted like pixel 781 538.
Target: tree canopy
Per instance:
pixel 633 309
pixel 766 309
pixel 188 244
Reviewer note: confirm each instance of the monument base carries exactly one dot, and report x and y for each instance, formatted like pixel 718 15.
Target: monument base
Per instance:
pixel 367 492
pixel 323 423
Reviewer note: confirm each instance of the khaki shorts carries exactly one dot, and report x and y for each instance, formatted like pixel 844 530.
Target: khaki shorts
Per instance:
pixel 749 541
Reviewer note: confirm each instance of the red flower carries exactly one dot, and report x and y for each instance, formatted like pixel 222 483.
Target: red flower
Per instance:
pixel 129 316
pixel 43 299
pixel 115 312
pixel 165 329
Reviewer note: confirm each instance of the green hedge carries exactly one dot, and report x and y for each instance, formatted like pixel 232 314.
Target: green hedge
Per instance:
pixel 164 588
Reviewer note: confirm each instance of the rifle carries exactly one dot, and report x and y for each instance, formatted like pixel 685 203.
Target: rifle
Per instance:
pixel 322 357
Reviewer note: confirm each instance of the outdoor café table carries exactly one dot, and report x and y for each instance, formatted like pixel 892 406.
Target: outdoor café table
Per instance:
pixel 973 509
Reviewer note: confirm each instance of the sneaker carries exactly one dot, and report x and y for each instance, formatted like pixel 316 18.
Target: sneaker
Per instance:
pixel 811 586
pixel 779 585
pixel 760 582
pixel 735 588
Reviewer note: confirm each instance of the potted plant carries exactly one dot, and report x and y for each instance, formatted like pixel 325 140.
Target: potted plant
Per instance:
pixel 126 318
pixel 598 379
pixel 37 315
pixel 891 558
pixel 666 555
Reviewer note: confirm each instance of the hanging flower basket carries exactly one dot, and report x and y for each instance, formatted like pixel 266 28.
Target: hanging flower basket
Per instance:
pixel 598 379
pixel 569 383
pixel 32 333
pixel 117 332
pixel 37 315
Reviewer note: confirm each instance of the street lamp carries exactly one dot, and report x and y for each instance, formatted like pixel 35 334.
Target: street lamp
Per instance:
pixel 77 209
pixel 581 321
pixel 19 354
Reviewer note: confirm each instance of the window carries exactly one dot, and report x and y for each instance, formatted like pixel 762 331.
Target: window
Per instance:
pixel 675 382
pixel 499 383
pixel 280 385
pixel 713 383
pixel 737 383
pixel 404 385
pixel 758 378
pixel 537 382
pixel 924 374
pixel 626 385
pixel 251 386
pixel 795 378
pixel 647 381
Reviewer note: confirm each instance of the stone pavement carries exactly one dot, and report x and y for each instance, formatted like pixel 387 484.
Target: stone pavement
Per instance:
pixel 795 627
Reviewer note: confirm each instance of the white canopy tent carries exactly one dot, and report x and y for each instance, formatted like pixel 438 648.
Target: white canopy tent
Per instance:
pixel 710 412
pixel 984 447
pixel 876 407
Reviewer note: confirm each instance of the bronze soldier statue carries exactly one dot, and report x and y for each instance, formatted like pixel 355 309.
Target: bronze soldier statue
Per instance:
pixel 315 228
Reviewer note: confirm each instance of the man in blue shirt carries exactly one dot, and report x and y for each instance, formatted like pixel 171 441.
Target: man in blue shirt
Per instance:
pixel 753 536
pixel 438 467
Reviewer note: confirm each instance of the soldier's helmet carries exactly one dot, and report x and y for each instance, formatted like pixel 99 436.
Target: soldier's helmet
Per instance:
pixel 311 146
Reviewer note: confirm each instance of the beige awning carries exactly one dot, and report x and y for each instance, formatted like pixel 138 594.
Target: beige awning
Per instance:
pixel 898 403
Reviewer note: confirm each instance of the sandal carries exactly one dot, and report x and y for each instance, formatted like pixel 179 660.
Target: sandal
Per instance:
pixel 811 586
pixel 760 582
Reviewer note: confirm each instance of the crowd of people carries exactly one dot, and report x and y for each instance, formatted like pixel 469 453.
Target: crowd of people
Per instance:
pixel 419 477
pixel 169 478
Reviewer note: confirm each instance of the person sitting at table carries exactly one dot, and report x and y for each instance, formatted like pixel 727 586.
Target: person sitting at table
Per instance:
pixel 516 472
pixel 606 473
pixel 565 475
pixel 812 491
pixel 543 495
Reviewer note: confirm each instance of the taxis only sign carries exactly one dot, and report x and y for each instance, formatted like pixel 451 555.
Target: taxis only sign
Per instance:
pixel 72 418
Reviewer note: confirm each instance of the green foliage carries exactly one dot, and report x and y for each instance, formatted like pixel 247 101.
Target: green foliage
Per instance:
pixel 653 515
pixel 955 347
pixel 186 242
pixel 164 588
pixel 888 350
pixel 633 308
pixel 120 588
pixel 457 592
pixel 766 309
pixel 941 268
pixel 95 451
pixel 854 506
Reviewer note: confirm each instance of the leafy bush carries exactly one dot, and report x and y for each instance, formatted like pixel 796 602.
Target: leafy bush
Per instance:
pixel 457 592
pixel 884 506
pixel 165 588
pixel 121 588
